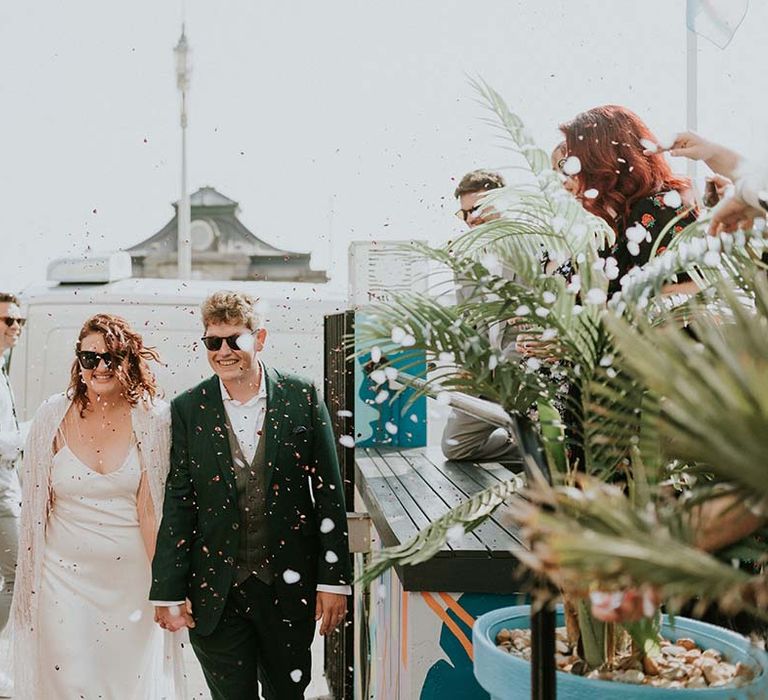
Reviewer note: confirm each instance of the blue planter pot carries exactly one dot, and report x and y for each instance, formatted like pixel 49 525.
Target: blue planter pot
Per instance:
pixel 507 677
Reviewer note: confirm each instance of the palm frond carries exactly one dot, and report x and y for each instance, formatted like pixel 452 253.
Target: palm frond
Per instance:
pixel 714 386
pixel 450 527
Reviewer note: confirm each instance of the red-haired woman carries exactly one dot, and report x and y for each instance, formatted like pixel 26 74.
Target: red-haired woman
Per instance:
pixel 635 192
pixel 93 478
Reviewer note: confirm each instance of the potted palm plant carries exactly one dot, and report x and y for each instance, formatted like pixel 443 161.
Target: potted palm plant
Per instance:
pixel 616 452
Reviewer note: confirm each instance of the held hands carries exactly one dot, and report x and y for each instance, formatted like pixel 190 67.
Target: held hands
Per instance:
pixel 330 608
pixel 174 617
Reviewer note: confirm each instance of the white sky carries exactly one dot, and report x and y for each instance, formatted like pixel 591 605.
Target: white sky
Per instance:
pixel 299 107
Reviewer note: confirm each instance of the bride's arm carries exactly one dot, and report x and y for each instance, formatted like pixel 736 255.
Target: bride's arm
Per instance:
pixel 147 519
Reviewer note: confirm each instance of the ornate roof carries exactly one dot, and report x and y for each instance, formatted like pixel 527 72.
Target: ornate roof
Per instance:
pixel 215 229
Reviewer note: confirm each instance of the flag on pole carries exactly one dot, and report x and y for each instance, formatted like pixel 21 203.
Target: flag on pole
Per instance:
pixel 716 20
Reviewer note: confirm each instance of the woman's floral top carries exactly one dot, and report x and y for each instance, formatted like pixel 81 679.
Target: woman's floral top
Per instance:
pixel 647 219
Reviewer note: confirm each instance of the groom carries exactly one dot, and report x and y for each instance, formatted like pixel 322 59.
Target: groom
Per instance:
pixel 252 547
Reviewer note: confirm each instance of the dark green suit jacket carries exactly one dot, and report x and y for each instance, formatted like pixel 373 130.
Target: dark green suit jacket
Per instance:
pixel 198 538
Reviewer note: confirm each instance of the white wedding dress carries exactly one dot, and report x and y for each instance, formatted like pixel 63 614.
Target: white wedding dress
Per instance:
pixel 97 638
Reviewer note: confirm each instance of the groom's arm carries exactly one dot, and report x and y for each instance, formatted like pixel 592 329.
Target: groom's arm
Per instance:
pixel 333 567
pixel 171 563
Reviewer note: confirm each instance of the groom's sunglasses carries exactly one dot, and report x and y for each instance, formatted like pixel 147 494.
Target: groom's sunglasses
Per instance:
pixel 90 360
pixel 214 342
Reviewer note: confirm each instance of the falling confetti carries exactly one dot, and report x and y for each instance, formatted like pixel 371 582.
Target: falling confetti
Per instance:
pixel 331 557
pixel 347 441
pixel 290 576
pixel 296 675
pixel 327 525
pixel 572 166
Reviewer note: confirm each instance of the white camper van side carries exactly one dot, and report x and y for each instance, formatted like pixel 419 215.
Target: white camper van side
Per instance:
pixel 167 314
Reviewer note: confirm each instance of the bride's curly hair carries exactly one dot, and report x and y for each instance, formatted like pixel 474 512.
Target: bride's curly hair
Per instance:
pixel 131 357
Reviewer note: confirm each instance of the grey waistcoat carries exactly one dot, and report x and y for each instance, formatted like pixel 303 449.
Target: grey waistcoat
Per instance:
pixel 253 550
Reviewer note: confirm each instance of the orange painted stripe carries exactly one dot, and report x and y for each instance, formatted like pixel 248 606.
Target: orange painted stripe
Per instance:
pixel 460 636
pixel 462 614
pixel 404 630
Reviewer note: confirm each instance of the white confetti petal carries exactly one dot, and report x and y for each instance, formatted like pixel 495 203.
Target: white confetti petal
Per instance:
pixel 347 441
pixel 344 413
pixel 390 373
pixel 331 557
pixel 549 297
pixel 636 233
pixel 135 616
pixel 572 165
pixel 673 199
pixel 296 675
pixel 382 396
pixel 454 534
pixel 390 427
pixel 522 310
pixel 376 353
pixel 549 334
pixel 591 193
pixel 245 342
pixel 533 363
pixel 327 525
pixel 290 576
pixel 397 335
pixel 378 376
pixel 596 296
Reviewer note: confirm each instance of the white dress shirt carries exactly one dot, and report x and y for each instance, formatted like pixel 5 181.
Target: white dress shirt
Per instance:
pixel 247 421
pixel 11 444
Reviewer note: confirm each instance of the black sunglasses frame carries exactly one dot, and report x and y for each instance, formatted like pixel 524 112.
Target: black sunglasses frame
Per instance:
pixel 464 214
pixel 213 343
pixel 87 359
pixel 11 320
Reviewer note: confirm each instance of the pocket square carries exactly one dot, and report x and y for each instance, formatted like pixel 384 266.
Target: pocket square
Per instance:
pixel 299 429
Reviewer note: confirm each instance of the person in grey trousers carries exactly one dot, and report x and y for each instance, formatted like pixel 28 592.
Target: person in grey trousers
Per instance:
pixel 11 443
pixel 466 438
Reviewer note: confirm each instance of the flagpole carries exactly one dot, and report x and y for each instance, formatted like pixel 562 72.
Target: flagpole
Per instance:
pixel 691 81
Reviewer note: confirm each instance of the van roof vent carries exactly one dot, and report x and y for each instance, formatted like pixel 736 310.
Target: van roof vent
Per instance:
pixel 97 269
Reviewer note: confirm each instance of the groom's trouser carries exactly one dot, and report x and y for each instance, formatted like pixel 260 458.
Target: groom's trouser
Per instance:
pixel 252 642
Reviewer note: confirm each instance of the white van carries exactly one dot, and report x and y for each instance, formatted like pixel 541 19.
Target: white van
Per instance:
pixel 167 314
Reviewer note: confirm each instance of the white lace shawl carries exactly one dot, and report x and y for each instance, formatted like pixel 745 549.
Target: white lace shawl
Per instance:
pixel 151 426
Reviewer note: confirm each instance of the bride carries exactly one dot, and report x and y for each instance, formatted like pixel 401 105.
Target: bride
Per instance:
pixel 93 476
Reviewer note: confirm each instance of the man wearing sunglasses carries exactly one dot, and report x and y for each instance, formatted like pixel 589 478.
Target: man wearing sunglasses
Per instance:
pixel 11 442
pixel 252 548
pixel 470 192
pixel 464 437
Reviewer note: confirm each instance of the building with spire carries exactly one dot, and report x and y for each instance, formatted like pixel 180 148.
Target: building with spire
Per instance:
pixel 222 248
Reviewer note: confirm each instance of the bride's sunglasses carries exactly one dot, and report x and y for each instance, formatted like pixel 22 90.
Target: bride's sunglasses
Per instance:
pixel 90 360
pixel 235 342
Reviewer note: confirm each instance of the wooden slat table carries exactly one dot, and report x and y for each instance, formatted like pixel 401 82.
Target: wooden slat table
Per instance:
pixel 414 616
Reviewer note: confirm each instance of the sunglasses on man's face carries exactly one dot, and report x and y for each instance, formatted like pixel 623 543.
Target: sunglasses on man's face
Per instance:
pixel 90 360
pixel 10 320
pixel 464 214
pixel 235 342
